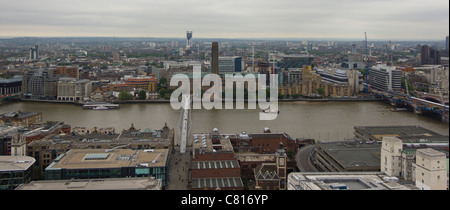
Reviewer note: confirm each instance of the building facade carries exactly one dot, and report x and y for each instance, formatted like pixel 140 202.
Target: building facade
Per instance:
pixel 426 166
pixel 391 156
pixel 272 176
pixel 430 55
pixel 230 64
pixel 294 76
pixel 39 84
pixel 431 170
pixel 10 86
pixel 45 151
pixel 70 89
pixel 118 163
pixel 68 71
pixel 214 165
pixel 20 118
pixel 385 78
pixel 15 170
pixel 146 83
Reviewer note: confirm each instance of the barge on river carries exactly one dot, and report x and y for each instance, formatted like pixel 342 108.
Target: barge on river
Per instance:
pixel 101 106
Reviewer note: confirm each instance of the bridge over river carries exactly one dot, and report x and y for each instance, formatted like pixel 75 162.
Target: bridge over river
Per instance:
pixel 418 105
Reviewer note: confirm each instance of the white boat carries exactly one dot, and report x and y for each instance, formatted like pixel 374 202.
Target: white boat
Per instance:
pixel 271 111
pixel 399 110
pixel 100 108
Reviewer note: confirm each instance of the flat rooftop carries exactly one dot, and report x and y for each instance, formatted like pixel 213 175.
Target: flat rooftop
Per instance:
pixel 345 181
pixel 15 163
pixel 254 157
pixel 353 154
pixel 203 140
pixel 408 134
pixel 18 114
pixel 142 183
pixel 118 158
pixel 221 164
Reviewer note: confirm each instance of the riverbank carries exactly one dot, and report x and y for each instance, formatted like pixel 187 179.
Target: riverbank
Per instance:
pixel 158 101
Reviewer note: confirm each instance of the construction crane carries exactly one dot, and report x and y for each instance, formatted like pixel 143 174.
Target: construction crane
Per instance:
pixel 367 65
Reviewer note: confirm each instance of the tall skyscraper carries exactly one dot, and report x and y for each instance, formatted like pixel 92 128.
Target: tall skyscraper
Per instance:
pixel 430 56
pixel 446 43
pixel 425 54
pixel 189 40
pixel 215 58
pixel 34 52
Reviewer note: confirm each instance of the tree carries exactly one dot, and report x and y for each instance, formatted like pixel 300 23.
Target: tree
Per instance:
pixel 142 95
pixel 321 91
pixel 162 92
pixel 410 86
pixel 125 96
pixel 163 82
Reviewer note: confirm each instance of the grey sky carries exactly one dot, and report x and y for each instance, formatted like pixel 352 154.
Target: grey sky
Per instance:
pixel 381 19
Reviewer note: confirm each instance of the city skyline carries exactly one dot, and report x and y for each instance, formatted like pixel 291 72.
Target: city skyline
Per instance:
pixel 285 19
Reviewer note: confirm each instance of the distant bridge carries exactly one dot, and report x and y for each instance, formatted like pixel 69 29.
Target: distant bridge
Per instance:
pixel 419 105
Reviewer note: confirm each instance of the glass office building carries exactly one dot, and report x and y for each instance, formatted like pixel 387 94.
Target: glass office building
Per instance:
pixel 15 170
pixel 119 163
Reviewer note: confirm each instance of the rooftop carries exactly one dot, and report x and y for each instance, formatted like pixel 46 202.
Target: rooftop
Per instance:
pixel 18 114
pixel 220 182
pixel 118 158
pixel 408 134
pixel 351 154
pixel 204 141
pixel 15 163
pixel 345 181
pixel 431 152
pixel 221 164
pixel 142 183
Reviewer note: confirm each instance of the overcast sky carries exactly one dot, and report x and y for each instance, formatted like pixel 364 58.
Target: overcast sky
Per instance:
pixel 381 19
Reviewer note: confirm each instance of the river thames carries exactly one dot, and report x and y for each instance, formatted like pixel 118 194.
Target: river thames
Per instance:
pixel 324 121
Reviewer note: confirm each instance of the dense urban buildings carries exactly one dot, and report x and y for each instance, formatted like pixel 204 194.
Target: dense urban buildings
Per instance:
pixel 96 72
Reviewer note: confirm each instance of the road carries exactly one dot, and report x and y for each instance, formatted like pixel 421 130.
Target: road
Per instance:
pixel 179 170
pixel 303 159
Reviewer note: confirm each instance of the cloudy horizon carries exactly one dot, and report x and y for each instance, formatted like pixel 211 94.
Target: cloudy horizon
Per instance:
pixel 287 19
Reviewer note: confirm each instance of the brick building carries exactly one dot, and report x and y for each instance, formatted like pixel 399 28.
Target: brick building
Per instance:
pixel 263 143
pixel 272 176
pixel 214 165
pixel 20 118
